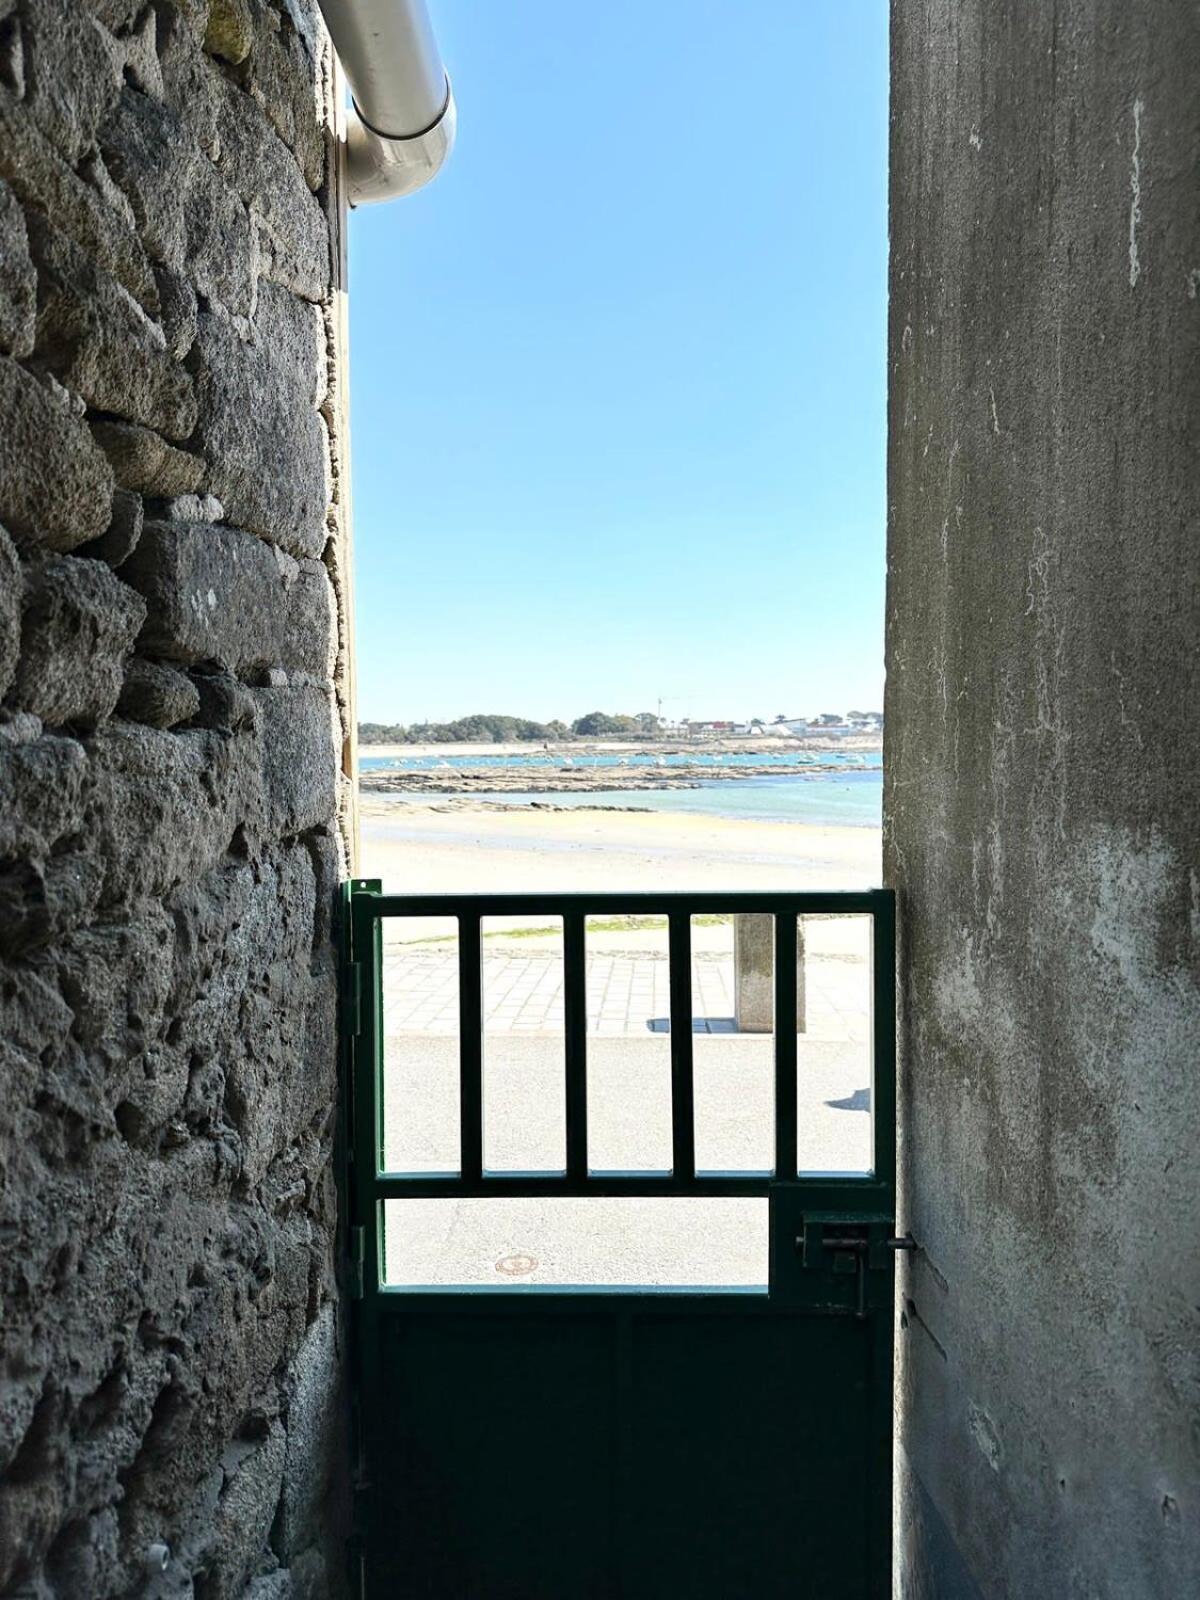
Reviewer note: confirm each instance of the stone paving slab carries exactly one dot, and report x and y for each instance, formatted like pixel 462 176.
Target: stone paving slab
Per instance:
pixel 523 992
pixel 701 1241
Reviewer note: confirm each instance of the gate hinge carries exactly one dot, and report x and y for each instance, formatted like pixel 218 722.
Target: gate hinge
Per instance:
pixel 352 998
pixel 358 1252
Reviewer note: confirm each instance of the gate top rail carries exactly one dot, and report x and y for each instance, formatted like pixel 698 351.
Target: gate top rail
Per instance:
pixel 369 899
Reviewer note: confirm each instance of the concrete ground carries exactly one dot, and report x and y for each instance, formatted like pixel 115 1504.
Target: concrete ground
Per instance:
pixel 702 1241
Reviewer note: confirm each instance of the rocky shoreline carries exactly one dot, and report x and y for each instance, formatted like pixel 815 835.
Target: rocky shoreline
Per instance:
pixel 568 779
pixel 454 803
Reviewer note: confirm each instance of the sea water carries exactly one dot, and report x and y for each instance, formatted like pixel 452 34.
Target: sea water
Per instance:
pixel 541 760
pixel 848 794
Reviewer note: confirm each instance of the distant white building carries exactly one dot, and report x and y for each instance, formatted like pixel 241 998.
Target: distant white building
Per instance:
pixel 716 730
pixel 865 723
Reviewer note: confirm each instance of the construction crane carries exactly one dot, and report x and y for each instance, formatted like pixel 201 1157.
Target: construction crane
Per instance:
pixel 672 699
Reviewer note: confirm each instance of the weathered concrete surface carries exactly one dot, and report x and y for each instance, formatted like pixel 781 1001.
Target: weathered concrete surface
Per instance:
pixel 754 974
pixel 1041 807
pixel 171 732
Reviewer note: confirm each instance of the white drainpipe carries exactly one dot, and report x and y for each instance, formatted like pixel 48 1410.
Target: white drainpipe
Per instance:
pixel 402 127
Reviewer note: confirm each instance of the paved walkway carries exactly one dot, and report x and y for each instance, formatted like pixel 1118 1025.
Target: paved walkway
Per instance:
pixel 627 994
pixel 645 1242
pixel 523 992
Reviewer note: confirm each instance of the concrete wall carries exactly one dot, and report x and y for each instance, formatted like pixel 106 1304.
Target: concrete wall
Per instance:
pixel 1041 793
pixel 172 674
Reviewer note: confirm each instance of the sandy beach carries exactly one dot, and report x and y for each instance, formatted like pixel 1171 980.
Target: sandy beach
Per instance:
pixel 421 849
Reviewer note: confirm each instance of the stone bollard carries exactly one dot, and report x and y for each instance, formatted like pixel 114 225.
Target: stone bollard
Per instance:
pixel 754 973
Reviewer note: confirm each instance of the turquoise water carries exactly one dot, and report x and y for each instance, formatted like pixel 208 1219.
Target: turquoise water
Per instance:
pixel 833 799
pixel 784 760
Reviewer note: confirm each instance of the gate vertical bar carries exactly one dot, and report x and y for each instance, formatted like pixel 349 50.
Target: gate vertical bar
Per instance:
pixel 785 1046
pixel 575 1041
pixel 683 1121
pixel 363 1064
pixel 366 1075
pixel 883 1031
pixel 470 1046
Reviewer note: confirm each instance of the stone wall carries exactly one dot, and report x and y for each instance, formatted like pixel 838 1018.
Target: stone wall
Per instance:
pixel 1041 802
pixel 172 674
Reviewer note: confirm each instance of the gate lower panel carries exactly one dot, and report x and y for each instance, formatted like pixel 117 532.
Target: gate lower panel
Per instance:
pixel 627 1448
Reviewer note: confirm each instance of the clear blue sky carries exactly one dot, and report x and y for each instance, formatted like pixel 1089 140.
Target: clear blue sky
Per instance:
pixel 618 375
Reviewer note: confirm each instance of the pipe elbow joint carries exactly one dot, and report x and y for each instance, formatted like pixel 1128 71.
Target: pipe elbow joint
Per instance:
pixel 382 168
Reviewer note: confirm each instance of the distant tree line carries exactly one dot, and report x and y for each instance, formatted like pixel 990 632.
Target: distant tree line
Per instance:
pixel 598 722
pixel 484 728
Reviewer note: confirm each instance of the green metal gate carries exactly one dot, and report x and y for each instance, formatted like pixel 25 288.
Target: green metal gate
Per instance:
pixel 519 1443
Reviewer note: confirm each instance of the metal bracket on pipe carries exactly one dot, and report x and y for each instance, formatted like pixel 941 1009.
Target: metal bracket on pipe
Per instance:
pixel 381 168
